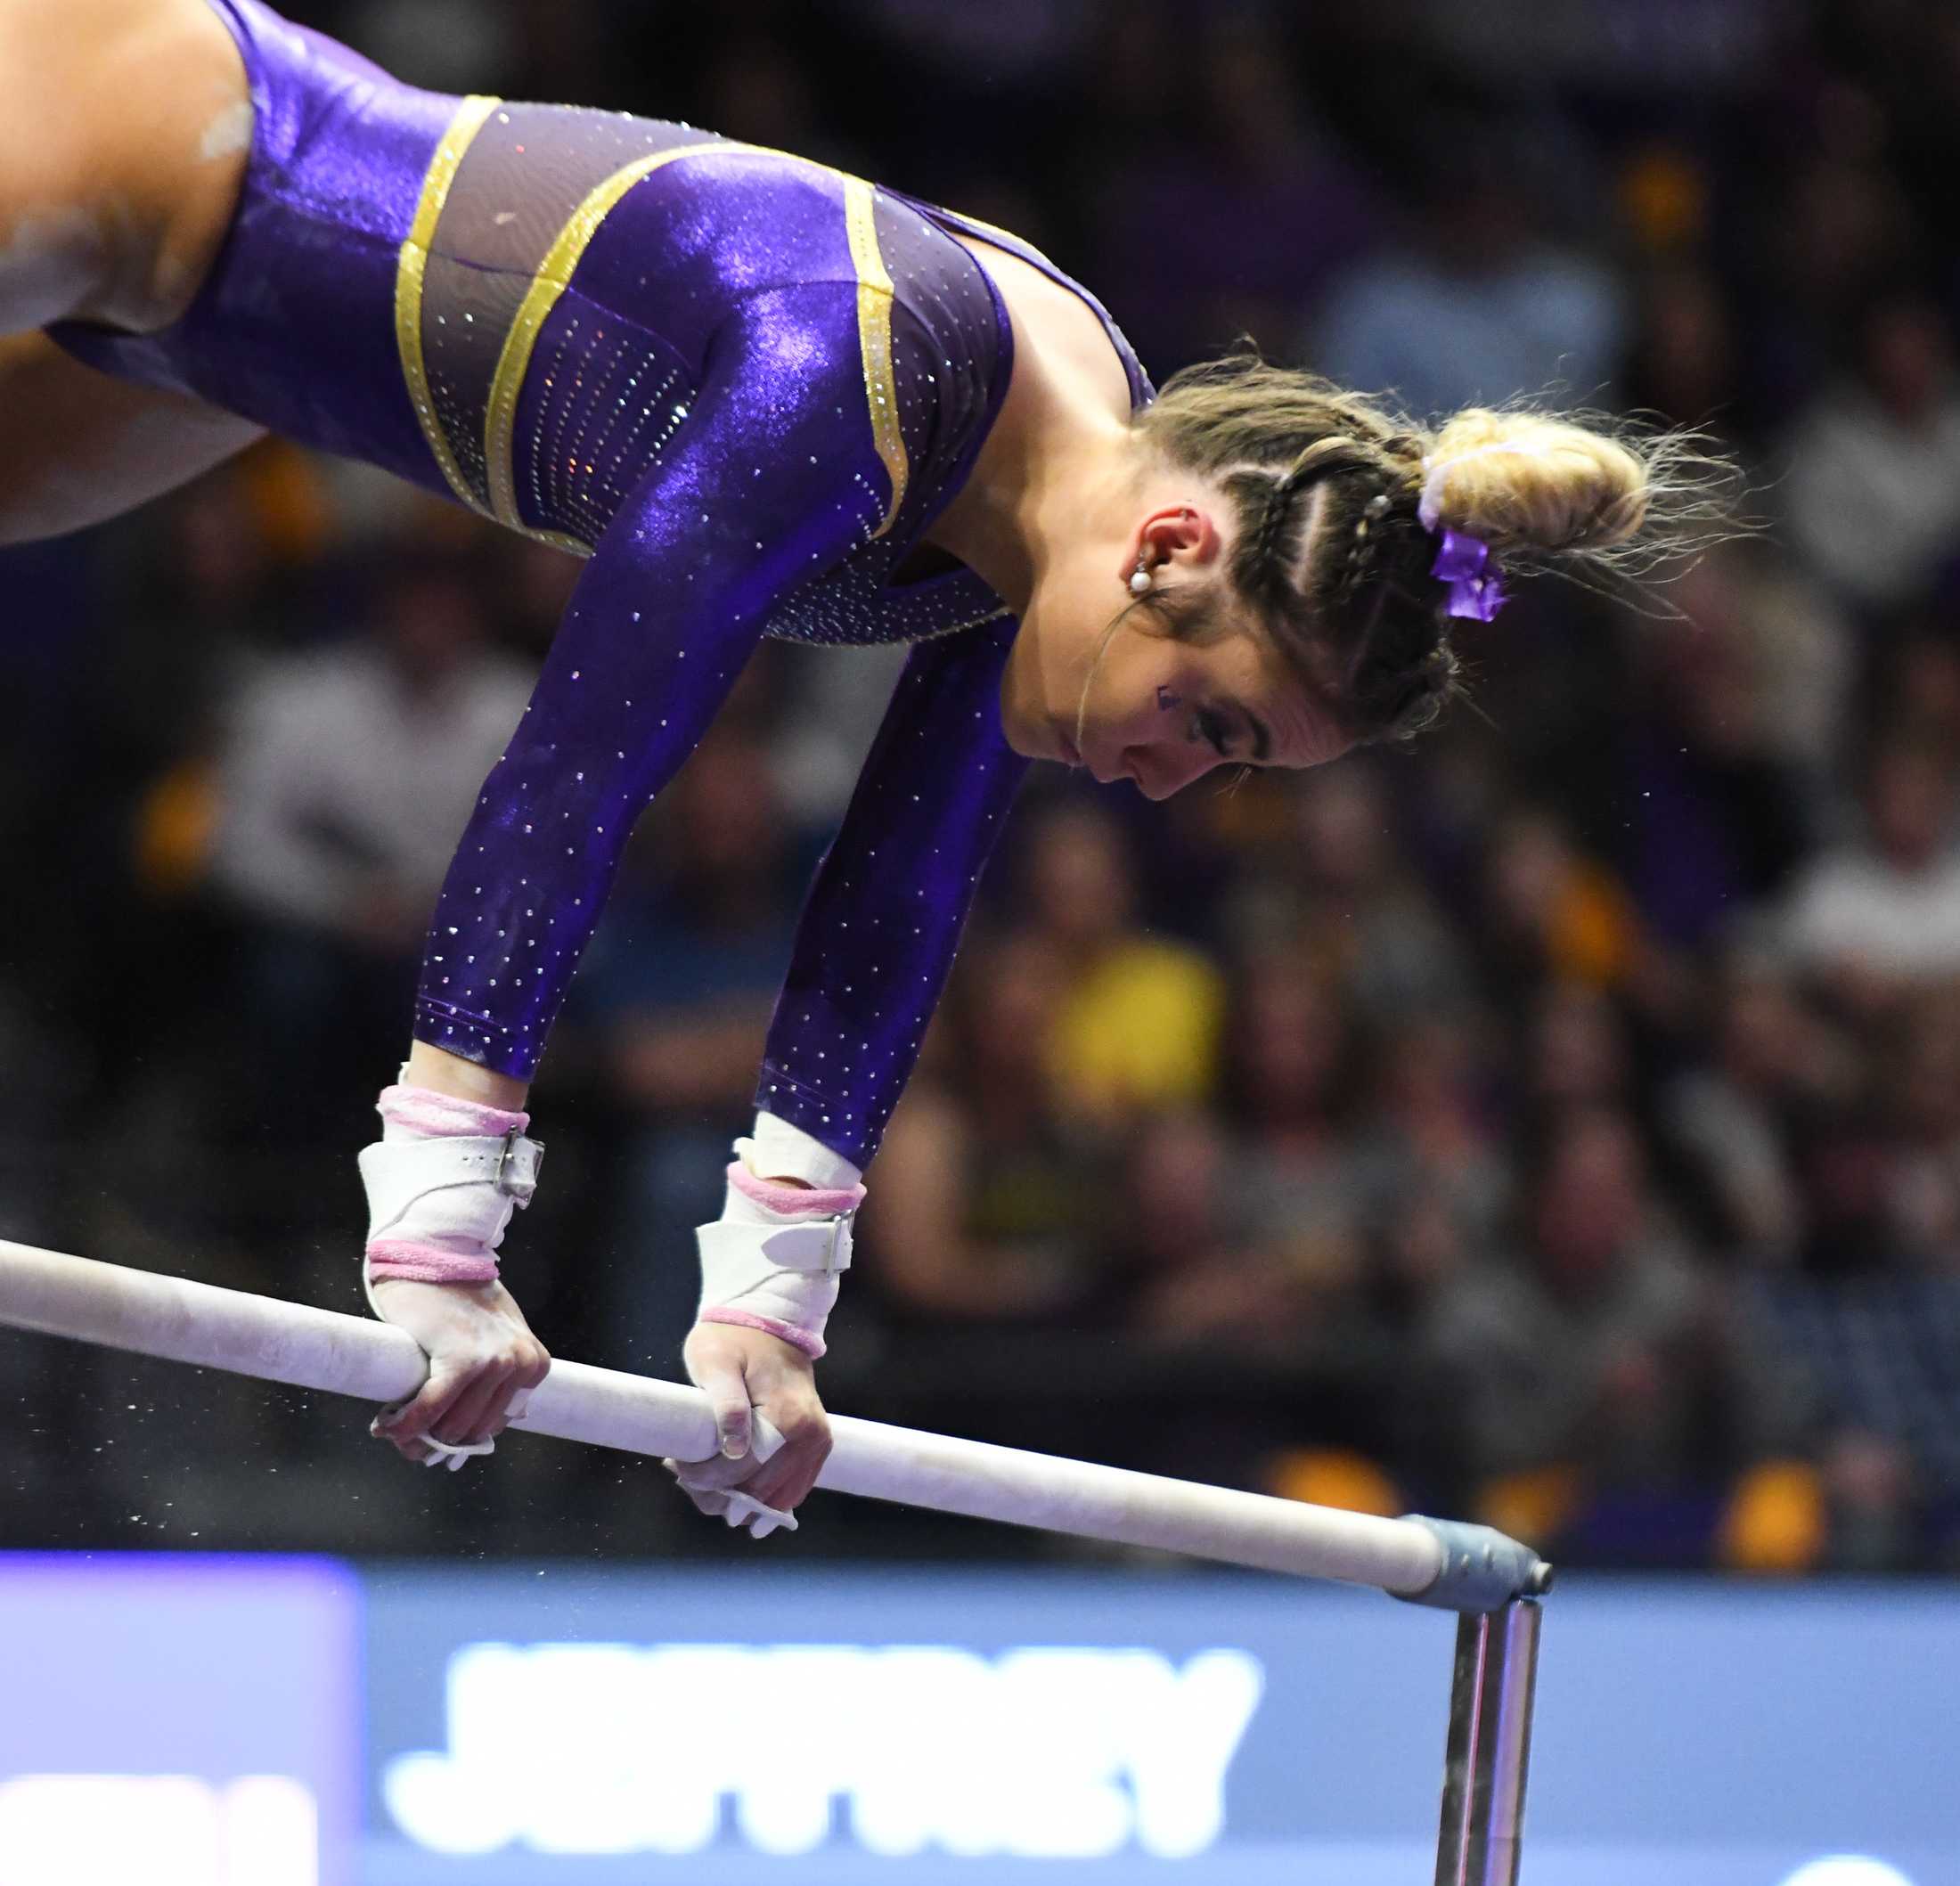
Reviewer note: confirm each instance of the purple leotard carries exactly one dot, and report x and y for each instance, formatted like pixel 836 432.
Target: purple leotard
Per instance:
pixel 742 385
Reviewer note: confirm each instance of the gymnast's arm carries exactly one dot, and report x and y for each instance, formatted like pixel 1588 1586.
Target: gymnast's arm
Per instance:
pixel 883 919
pixel 773 479
pixel 768 483
pixel 873 946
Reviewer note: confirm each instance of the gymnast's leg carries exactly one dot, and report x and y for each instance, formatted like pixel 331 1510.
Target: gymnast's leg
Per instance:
pixel 76 446
pixel 124 127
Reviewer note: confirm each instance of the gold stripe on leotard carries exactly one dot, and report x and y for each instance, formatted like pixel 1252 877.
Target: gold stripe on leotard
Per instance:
pixel 875 339
pixel 408 285
pixel 553 277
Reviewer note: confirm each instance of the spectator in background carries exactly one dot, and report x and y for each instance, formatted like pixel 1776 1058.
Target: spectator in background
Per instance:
pixel 1137 1020
pixel 1797 654
pixel 1210 1266
pixel 671 1006
pixel 1874 488
pixel 1732 1119
pixel 1724 770
pixel 136 781
pixel 1681 362
pixel 817 752
pixel 1430 1126
pixel 1881 1170
pixel 1477 303
pixel 1361 908
pixel 1219 205
pixel 1921 1098
pixel 1872 1369
pixel 680 988
pixel 1256 1306
pixel 1915 685
pixel 987 1209
pixel 1833 227
pixel 1875 1499
pixel 1421 1242
pixel 206 605
pixel 1575 1049
pixel 347 775
pixel 1871 914
pixel 1580 1348
pixel 1287 1092
pixel 1549 910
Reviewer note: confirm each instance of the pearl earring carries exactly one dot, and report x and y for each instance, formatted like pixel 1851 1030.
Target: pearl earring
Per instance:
pixel 1139 580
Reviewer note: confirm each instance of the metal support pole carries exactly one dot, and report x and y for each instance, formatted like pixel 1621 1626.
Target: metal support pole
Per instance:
pixel 1484 1775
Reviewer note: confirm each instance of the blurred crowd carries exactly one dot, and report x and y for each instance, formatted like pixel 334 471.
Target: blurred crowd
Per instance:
pixel 1557 1122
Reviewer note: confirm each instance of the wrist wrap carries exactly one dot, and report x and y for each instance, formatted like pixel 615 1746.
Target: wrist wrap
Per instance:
pixel 772 1260
pixel 442 1183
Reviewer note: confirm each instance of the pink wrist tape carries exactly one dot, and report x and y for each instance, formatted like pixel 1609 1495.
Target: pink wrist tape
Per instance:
pixel 810 1344
pixel 427 1264
pixel 790 1202
pixel 422 1113
pixel 793 1201
pixel 418 1112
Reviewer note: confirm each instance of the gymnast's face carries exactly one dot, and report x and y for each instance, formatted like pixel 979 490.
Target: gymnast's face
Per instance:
pixel 1135 704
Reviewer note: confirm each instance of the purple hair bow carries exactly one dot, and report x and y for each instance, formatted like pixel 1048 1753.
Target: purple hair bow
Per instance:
pixel 1463 562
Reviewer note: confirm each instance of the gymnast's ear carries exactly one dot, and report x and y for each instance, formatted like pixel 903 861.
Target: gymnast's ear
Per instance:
pixel 1175 534
pixel 1183 549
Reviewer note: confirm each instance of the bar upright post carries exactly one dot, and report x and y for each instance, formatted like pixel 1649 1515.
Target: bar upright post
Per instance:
pixel 1489 1747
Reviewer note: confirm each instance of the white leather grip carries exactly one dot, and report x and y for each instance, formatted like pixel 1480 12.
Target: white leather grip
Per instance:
pixel 461 1187
pixel 742 1256
pixel 772 1261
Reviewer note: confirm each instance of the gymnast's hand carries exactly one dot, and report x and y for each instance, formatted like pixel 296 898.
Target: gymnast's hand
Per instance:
pixel 483 1363
pixel 742 1371
pixel 442 1183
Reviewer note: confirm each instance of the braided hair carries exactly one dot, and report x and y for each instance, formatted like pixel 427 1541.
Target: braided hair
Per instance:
pixel 1331 549
pixel 1331 538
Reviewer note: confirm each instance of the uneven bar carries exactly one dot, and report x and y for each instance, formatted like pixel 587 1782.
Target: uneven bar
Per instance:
pixel 184 1321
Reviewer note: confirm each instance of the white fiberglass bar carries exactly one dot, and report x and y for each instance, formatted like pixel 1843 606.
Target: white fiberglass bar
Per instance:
pixel 180 1320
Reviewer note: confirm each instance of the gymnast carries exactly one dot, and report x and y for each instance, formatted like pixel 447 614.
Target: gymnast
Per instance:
pixel 760 397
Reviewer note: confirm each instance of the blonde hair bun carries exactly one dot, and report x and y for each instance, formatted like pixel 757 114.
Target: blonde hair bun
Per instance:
pixel 1525 481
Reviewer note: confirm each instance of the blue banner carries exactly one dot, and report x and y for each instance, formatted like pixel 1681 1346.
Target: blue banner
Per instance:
pixel 201 1722
pixel 178 1720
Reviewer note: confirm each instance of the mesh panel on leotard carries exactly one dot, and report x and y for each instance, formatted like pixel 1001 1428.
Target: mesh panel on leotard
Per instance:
pixel 523 177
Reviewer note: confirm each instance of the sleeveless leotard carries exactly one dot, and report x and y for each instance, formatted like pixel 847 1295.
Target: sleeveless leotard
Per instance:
pixel 741 385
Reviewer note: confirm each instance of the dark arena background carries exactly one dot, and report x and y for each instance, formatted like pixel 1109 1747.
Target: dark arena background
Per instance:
pixel 1555 1123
